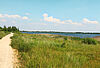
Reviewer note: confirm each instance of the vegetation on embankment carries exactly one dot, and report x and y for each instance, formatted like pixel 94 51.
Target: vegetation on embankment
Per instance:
pixel 55 51
pixel 6 30
pixel 2 34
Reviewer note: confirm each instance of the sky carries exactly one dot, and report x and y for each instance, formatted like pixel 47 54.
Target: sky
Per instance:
pixel 51 15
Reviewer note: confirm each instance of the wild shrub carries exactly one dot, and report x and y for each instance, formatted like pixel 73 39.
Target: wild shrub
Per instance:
pixel 90 41
pixel 65 38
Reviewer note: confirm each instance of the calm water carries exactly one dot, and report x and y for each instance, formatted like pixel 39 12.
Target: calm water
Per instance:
pixel 67 34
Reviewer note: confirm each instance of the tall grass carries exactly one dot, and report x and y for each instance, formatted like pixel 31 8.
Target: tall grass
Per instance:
pixel 54 51
pixel 2 34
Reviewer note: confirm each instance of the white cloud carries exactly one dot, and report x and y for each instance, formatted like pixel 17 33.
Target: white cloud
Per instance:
pixel 75 23
pixel 25 18
pixel 55 20
pixel 9 16
pixel 67 21
pixel 85 20
pixel 13 16
pixel 45 15
pixel 51 19
pixel 8 20
pixel 27 14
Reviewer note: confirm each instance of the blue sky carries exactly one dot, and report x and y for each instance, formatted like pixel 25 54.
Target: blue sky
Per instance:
pixel 56 15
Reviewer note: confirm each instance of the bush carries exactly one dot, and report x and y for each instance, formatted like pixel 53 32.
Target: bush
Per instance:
pixel 66 38
pixel 90 41
pixel 76 38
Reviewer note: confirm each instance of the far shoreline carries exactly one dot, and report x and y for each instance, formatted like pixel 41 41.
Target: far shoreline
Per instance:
pixel 64 32
pixel 77 34
pixel 97 38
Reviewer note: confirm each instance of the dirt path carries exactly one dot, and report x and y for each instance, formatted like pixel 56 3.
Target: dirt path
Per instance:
pixel 6 52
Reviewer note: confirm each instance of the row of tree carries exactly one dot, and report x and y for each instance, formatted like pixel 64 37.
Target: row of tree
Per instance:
pixel 9 29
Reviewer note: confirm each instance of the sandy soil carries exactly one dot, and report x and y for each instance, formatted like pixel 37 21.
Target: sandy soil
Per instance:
pixel 97 38
pixel 6 52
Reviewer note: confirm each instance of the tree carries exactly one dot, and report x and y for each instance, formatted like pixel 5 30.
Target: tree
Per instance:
pixel 14 29
pixel 4 29
pixel 9 29
pixel 0 28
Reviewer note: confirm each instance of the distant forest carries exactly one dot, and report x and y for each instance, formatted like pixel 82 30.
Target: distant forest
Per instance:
pixel 9 29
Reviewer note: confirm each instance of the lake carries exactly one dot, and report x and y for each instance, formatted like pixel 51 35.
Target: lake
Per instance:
pixel 66 34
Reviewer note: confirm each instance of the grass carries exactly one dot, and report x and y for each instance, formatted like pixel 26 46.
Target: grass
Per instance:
pixel 2 34
pixel 55 51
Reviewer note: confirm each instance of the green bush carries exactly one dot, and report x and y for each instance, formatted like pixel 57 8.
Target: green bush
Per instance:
pixel 76 38
pixel 90 41
pixel 65 38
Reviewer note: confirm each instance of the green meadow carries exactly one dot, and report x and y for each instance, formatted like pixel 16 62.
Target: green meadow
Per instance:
pixel 55 51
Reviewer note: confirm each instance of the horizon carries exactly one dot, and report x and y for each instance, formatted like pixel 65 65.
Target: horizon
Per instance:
pixel 61 31
pixel 51 15
pixel 54 30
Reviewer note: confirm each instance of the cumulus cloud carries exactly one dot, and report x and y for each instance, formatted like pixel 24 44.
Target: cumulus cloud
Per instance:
pixel 68 21
pixel 25 18
pixel 48 18
pixel 45 15
pixel 85 20
pixel 51 18
pixel 13 16
pixel 6 19
pixel 55 20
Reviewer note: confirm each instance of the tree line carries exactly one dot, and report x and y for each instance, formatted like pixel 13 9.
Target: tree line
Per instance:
pixel 9 29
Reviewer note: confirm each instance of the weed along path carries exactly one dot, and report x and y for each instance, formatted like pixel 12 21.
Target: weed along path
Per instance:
pixel 6 52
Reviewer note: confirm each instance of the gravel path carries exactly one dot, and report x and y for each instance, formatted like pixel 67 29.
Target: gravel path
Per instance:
pixel 6 52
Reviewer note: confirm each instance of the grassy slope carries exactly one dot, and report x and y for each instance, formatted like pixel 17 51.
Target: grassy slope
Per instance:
pixel 54 51
pixel 2 34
